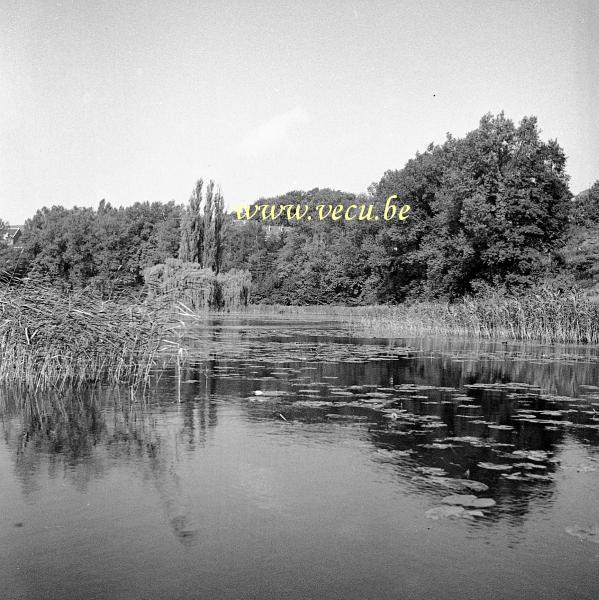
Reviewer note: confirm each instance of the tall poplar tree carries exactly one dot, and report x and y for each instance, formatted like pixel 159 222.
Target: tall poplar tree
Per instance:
pixel 219 223
pixel 191 248
pixel 202 228
pixel 209 241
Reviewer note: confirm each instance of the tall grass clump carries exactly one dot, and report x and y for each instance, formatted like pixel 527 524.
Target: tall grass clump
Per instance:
pixel 546 316
pixel 198 288
pixel 49 337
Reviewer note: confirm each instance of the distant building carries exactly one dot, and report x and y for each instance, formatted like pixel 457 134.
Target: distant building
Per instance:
pixel 12 235
pixel 276 229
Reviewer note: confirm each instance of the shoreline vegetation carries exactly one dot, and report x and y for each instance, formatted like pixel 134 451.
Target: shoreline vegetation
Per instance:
pixel 50 338
pixel 488 211
pixel 546 316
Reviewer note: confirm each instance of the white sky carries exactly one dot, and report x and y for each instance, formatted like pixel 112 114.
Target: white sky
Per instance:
pixel 133 101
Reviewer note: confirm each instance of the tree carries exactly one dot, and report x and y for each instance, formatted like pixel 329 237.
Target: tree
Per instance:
pixel 191 248
pixel 585 207
pixel 202 228
pixel 108 247
pixel 219 230
pixel 580 255
pixel 487 209
pixel 207 260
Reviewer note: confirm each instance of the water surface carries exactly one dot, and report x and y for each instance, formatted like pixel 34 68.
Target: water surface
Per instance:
pixel 293 461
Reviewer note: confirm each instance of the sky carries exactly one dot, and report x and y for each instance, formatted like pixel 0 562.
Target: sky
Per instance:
pixel 134 101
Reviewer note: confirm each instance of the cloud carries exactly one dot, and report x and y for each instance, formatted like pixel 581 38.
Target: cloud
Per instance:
pixel 274 134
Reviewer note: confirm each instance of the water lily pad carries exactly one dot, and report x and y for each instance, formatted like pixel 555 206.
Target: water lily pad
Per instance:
pixel 514 476
pixel 468 500
pixel 537 477
pixel 474 513
pixel 494 467
pixel 437 446
pixel 528 466
pixel 534 455
pixel 440 512
pixel 432 470
pixel 475 486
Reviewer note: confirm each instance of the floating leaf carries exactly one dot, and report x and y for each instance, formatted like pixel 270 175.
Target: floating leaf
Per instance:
pixel 431 470
pixel 468 500
pixel 444 511
pixel 475 486
pixel 474 513
pixel 494 467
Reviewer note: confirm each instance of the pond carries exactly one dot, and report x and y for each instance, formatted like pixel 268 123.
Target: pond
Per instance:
pixel 290 460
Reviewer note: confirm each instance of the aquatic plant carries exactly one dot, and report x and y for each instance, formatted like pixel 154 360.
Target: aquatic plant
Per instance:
pixel 546 316
pixel 49 337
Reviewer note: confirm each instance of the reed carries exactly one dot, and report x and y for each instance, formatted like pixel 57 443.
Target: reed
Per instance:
pixel 546 316
pixel 53 338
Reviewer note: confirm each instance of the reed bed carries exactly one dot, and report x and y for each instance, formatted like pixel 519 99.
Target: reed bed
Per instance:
pixel 546 316
pixel 52 338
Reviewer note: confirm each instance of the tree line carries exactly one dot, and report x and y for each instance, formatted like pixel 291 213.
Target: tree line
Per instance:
pixel 490 210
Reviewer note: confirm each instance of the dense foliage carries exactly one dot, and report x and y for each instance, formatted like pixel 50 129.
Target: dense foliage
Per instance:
pixel 105 247
pixel 580 255
pixel 487 210
pixel 491 210
pixel 197 287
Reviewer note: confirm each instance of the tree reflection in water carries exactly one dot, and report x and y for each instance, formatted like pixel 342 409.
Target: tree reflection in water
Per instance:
pixel 82 434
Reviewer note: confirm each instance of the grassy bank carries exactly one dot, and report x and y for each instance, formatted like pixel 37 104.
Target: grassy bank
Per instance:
pixel 52 338
pixel 546 316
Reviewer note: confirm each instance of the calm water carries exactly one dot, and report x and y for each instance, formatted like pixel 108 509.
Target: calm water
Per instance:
pixel 294 462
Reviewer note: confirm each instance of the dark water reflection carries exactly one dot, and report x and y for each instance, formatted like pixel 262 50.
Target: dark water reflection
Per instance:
pixel 291 461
